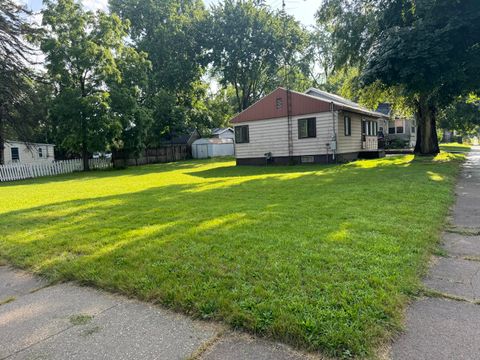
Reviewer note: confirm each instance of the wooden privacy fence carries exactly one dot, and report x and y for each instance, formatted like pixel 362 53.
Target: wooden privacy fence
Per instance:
pixel 162 154
pixel 14 172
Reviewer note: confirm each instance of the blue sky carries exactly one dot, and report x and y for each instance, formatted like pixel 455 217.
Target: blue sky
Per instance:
pixel 303 10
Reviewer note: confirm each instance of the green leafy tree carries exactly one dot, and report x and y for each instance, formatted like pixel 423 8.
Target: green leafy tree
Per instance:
pixel 222 106
pixel 429 49
pixel 16 86
pixel 321 50
pixel 347 83
pixel 128 101
pixel 463 115
pixel 171 32
pixel 81 50
pixel 254 49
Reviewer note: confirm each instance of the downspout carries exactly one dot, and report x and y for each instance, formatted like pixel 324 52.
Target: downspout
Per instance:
pixel 334 137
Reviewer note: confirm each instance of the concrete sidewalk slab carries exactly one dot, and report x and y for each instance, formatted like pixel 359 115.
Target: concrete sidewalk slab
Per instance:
pixel 67 321
pixel 130 330
pixel 440 329
pixel 239 346
pixel 36 317
pixel 14 283
pixel 455 276
pixel 461 245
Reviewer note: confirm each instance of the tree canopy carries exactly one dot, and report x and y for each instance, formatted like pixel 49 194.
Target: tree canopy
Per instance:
pixel 136 75
pixel 85 52
pixel 16 87
pixel 428 48
pixel 251 46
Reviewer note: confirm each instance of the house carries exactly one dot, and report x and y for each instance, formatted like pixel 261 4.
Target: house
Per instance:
pixel 28 153
pixel 212 147
pixel 223 133
pixel 314 127
pixel 186 137
pixel 397 128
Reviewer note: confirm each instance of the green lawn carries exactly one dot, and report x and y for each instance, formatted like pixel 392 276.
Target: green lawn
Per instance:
pixel 321 257
pixel 455 147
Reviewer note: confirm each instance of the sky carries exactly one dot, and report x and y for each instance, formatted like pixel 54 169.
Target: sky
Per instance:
pixel 303 10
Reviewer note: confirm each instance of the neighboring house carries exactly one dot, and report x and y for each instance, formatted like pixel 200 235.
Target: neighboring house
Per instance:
pixel 223 133
pixel 395 127
pixel 212 147
pixel 182 138
pixel 28 153
pixel 186 138
pixel 311 127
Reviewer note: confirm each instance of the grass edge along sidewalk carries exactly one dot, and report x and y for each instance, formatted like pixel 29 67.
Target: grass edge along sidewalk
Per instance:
pixel 320 257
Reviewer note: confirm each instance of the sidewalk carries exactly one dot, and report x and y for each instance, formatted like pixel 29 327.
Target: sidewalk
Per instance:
pixel 447 325
pixel 66 321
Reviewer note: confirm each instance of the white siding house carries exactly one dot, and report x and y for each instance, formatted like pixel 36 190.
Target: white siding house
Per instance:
pixel 28 153
pixel 317 130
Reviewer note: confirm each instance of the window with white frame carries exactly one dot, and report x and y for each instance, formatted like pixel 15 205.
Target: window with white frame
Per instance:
pixel 40 152
pixel 15 154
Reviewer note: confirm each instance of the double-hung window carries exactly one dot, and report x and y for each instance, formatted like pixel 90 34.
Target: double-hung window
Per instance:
pixel 241 134
pixel 15 154
pixel 307 128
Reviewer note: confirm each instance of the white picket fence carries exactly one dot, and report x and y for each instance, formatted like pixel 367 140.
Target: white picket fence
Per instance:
pixel 14 172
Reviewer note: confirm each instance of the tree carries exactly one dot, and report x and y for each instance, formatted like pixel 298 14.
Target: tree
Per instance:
pixel 347 83
pixel 463 114
pixel 128 99
pixel 430 49
pixel 251 48
pixel 15 74
pixel 321 48
pixel 172 36
pixel 81 55
pixel 222 106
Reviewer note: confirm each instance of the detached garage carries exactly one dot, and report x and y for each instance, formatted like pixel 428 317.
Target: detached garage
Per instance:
pixel 206 148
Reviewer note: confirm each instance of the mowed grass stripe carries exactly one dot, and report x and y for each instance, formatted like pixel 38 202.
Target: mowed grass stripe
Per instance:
pixel 321 257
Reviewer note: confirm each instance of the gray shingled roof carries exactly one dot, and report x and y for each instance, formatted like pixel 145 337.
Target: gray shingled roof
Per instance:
pixel 338 100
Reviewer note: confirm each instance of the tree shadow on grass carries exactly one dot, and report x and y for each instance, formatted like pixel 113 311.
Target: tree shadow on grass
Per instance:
pixel 109 173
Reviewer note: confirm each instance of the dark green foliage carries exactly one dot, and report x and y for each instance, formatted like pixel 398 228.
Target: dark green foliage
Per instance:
pixel 15 74
pixel 431 49
pixel 250 45
pixel 462 114
pixel 171 33
pixel 88 63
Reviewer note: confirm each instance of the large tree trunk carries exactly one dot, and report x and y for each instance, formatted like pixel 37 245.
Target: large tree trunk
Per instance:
pixel 86 166
pixel 2 138
pixel 427 140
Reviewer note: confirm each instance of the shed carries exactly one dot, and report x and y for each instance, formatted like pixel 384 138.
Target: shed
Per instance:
pixel 28 152
pixel 213 147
